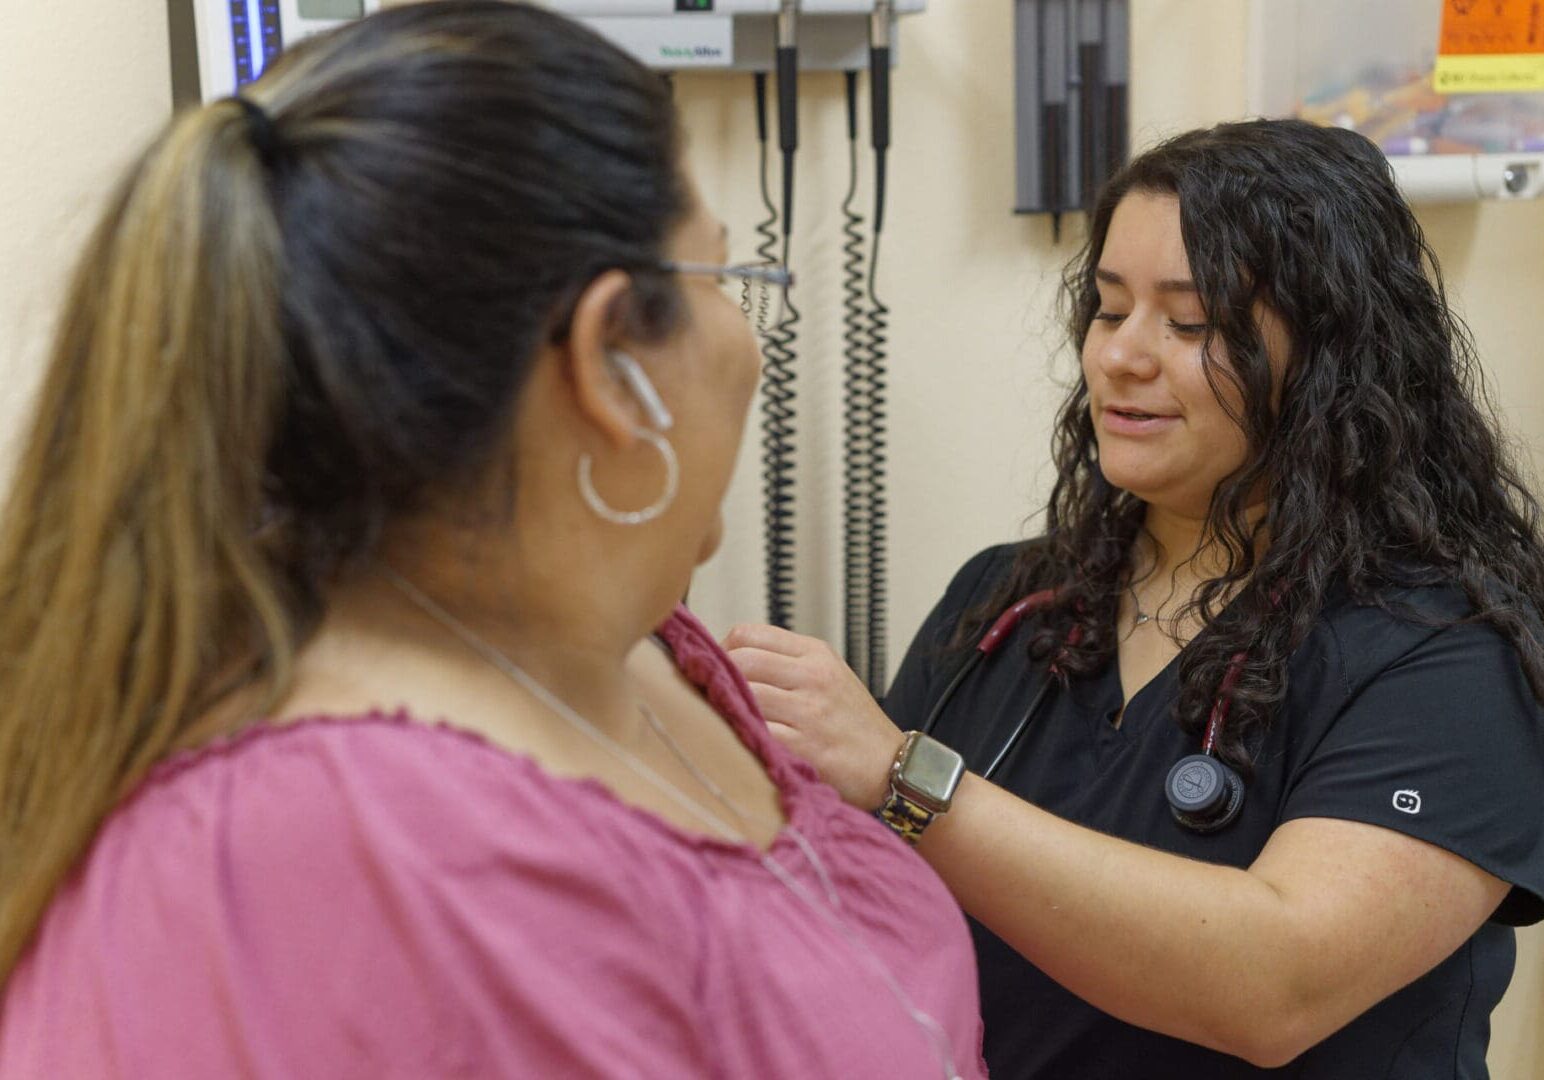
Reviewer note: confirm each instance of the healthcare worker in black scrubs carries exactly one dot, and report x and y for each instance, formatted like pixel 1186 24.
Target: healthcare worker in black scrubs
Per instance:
pixel 1270 793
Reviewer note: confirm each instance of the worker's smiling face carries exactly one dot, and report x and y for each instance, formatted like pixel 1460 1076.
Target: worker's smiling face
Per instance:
pixel 1162 431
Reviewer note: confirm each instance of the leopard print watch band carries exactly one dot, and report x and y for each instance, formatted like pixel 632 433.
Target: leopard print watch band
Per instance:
pixel 905 817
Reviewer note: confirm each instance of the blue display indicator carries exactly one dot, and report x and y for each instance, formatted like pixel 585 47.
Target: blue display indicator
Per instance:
pixel 257 37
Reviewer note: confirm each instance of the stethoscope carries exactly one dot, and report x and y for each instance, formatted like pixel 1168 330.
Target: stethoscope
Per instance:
pixel 1204 794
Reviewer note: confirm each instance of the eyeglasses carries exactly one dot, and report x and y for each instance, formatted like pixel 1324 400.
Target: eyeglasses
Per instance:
pixel 754 283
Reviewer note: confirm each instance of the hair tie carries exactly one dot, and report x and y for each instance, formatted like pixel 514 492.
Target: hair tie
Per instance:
pixel 261 132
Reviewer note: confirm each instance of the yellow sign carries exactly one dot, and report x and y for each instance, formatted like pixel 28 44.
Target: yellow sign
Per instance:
pixel 1490 46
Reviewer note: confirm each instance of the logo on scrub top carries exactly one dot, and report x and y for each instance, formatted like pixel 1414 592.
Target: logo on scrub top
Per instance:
pixel 1407 801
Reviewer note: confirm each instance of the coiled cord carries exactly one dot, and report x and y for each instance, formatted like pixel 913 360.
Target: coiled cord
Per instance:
pixel 777 402
pixel 878 507
pixel 878 357
pixel 865 340
pixel 856 479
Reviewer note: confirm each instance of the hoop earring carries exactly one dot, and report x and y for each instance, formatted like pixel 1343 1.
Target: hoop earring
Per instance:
pixel 648 513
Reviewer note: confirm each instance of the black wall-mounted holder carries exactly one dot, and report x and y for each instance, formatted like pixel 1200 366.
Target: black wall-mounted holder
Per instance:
pixel 1071 71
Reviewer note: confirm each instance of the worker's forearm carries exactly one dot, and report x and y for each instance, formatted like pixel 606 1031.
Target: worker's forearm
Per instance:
pixel 1201 952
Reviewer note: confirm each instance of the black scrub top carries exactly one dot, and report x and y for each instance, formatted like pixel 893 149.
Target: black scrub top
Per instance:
pixel 1432 732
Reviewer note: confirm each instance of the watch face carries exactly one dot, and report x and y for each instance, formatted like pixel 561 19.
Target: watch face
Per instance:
pixel 930 773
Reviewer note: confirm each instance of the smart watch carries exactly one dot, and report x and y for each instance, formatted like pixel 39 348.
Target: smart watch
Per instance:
pixel 923 780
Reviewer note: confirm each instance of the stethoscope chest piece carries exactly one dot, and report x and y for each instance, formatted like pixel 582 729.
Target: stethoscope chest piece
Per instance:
pixel 1204 794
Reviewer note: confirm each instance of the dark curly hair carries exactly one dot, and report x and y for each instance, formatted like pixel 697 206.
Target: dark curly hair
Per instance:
pixel 1383 465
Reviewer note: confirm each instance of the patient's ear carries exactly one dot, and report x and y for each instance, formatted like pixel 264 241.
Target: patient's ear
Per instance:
pixel 601 393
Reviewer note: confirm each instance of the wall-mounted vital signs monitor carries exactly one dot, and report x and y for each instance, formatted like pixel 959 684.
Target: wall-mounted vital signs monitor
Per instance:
pixel 219 46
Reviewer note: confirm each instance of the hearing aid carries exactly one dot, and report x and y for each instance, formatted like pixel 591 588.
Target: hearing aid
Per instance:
pixel 631 373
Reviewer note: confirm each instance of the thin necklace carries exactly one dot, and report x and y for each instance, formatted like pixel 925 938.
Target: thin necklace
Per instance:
pixel 558 705
pixel 810 855
pixel 707 782
pixel 1136 603
pixel 930 1027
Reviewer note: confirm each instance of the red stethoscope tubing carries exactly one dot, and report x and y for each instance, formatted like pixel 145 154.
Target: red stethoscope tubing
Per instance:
pixel 1004 627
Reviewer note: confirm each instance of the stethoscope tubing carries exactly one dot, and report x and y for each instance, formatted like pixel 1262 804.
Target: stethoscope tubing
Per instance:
pixel 993 639
pixel 1005 625
pixel 1019 730
pixel 973 662
pixel 970 665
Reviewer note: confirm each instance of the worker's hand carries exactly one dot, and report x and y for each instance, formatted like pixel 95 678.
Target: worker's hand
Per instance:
pixel 818 709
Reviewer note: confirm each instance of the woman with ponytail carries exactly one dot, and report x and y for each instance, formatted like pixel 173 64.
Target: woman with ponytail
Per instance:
pixel 348 722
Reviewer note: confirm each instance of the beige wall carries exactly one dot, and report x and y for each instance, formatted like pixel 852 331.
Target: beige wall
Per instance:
pixel 82 83
pixel 974 364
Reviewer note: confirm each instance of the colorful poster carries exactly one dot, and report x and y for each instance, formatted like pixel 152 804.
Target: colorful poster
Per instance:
pixel 1490 46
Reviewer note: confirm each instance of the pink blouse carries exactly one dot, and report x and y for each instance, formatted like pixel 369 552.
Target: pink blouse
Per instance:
pixel 375 897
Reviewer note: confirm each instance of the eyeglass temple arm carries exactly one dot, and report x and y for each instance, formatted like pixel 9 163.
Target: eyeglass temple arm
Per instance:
pixel 772 275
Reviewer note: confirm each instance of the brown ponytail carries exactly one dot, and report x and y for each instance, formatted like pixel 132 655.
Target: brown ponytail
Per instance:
pixel 127 558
